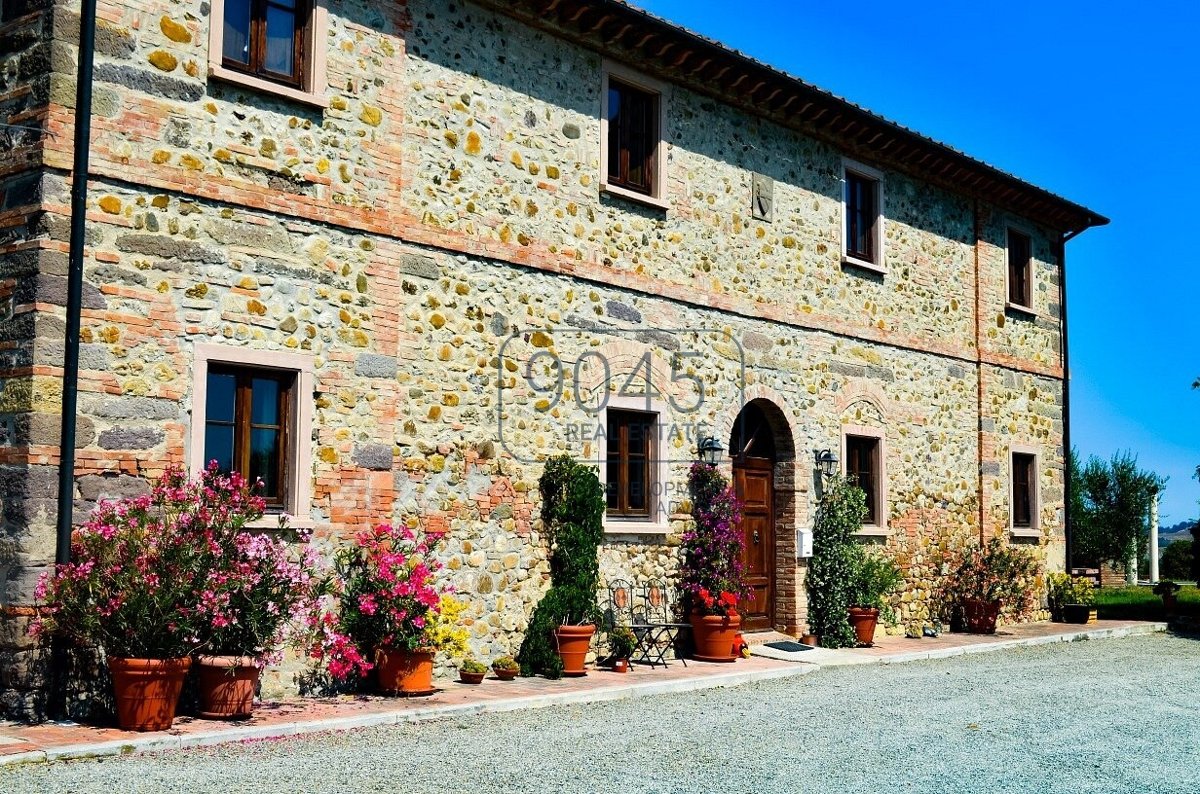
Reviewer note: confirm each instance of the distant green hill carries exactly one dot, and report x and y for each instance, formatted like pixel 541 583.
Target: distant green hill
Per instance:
pixel 1180 531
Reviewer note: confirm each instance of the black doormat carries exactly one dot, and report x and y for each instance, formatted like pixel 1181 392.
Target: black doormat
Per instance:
pixel 788 645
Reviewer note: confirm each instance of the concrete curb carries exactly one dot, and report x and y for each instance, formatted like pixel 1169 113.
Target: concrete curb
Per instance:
pixel 229 735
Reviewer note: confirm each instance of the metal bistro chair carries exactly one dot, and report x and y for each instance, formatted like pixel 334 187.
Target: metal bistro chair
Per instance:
pixel 648 612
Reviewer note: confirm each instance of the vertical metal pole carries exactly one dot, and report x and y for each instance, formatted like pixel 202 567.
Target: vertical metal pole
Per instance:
pixel 70 382
pixel 1068 474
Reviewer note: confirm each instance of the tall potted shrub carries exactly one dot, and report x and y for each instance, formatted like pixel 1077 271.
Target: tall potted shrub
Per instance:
pixel 992 577
pixel 392 615
pixel 833 565
pixel 710 573
pixel 561 627
pixel 139 586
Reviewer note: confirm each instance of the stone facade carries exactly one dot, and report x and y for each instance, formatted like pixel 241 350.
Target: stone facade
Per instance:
pixel 436 226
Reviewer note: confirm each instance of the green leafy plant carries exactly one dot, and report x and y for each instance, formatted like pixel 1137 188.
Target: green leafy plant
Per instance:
pixel 1110 508
pixel 1176 559
pixel 573 507
pixel 996 571
pixel 1166 587
pixel 874 579
pixel 1066 589
pixel 470 665
pixel 833 565
pixel 622 642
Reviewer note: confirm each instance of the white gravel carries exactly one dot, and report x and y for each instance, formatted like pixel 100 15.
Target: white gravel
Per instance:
pixel 1099 716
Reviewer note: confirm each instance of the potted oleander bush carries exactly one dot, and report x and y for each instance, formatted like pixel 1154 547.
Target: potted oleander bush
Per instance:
pixel 874 579
pixel 148 584
pixel 621 644
pixel 711 576
pixel 560 630
pixel 993 577
pixel 392 615
pixel 833 566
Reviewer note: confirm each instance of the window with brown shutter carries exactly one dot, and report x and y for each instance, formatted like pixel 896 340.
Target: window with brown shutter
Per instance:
pixel 246 420
pixel 632 137
pixel 862 469
pixel 862 215
pixel 1020 269
pixel 630 448
pixel 1023 482
pixel 266 38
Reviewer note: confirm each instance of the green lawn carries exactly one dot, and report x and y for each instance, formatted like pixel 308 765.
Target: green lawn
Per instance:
pixel 1140 603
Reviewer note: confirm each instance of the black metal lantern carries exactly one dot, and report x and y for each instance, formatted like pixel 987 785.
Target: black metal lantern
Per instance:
pixel 709 450
pixel 826 462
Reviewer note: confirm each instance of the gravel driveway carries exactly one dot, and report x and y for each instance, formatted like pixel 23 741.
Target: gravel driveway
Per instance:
pixel 1099 716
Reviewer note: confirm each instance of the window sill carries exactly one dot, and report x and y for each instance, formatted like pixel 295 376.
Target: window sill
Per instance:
pixel 864 264
pixel 1025 532
pixel 617 527
pixel 633 195
pixel 271 521
pixel 1017 308
pixel 873 531
pixel 266 86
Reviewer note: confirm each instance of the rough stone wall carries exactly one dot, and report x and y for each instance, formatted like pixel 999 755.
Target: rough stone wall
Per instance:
pixel 438 227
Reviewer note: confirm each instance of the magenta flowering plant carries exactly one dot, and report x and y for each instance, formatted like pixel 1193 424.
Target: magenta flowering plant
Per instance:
pixel 388 597
pixel 173 571
pixel 711 573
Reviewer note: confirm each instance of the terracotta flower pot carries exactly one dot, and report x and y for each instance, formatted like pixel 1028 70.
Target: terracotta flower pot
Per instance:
pixel 471 678
pixel 226 686
pixel 573 645
pixel 506 675
pixel 864 620
pixel 405 673
pixel 979 617
pixel 714 637
pixel 146 691
pixel 620 665
pixel 811 640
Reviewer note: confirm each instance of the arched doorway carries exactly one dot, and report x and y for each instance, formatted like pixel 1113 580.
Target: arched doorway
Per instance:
pixel 753 450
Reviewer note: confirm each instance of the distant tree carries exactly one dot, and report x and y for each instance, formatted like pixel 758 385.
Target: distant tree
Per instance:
pixel 1176 560
pixel 1110 504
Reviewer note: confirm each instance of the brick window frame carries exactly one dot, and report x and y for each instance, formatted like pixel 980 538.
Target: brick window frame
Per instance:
pixel 658 520
pixel 853 169
pixel 1012 232
pixel 658 195
pixel 315 74
pixel 1034 530
pixel 298 487
pixel 880 527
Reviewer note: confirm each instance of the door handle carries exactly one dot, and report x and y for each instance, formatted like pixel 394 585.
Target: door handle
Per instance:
pixel 756 537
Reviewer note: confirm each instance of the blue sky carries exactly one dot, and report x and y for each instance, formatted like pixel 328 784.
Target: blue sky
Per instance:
pixel 1098 104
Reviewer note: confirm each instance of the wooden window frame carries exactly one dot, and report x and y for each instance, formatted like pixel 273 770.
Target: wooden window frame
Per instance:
pixel 258 43
pixel 243 423
pixel 657 155
pixel 873 259
pixel 1026 301
pixel 297 489
pixel 657 523
pixel 879 526
pixel 627 418
pixel 310 89
pixel 1033 455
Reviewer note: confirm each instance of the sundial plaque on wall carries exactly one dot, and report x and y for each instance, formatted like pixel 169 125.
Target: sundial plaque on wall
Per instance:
pixel 762 199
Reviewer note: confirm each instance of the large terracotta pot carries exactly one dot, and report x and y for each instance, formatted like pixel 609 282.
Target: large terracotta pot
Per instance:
pixel 226 686
pixel 979 617
pixel 714 637
pixel 864 620
pixel 146 691
pixel 405 673
pixel 574 642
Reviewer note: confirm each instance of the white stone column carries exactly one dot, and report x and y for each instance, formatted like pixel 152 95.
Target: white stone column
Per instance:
pixel 1154 539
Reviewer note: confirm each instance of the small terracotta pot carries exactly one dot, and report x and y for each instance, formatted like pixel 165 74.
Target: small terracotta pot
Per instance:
pixel 405 673
pixel 620 665
pixel 506 675
pixel 226 686
pixel 979 617
pixel 146 691
pixel 574 642
pixel 714 637
pixel 811 640
pixel 471 678
pixel 864 620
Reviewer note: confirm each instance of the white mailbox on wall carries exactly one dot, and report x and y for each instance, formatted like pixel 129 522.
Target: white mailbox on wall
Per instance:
pixel 804 537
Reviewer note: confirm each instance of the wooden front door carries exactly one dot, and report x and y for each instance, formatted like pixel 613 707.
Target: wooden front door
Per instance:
pixel 754 483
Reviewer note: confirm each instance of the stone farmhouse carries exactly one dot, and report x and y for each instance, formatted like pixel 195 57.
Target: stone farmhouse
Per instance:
pixel 390 256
